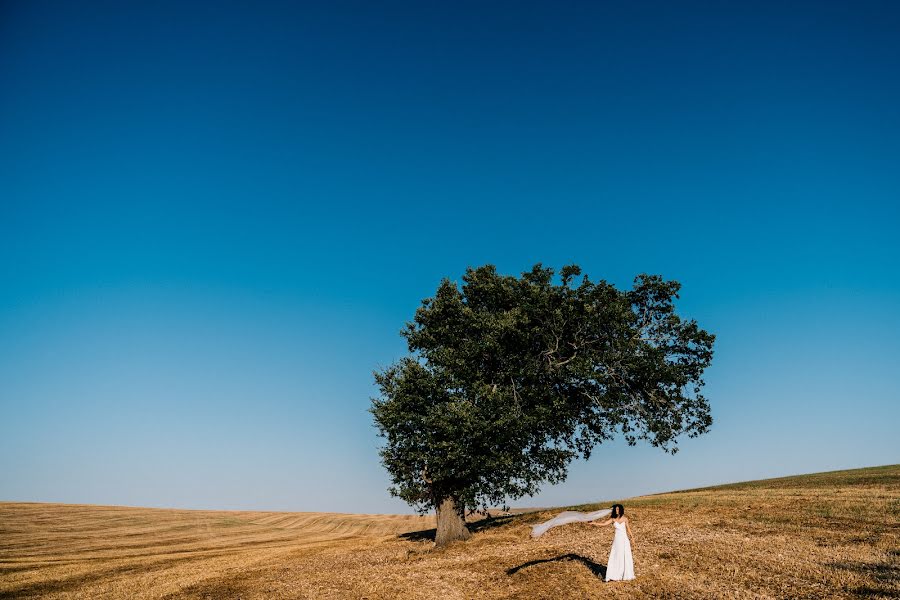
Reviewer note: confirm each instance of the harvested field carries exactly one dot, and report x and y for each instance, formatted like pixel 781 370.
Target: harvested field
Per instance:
pixel 815 536
pixel 76 551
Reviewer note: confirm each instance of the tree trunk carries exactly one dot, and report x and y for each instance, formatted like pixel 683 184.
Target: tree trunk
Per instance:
pixel 451 524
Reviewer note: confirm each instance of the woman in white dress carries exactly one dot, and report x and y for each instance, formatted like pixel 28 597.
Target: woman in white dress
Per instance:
pixel 620 566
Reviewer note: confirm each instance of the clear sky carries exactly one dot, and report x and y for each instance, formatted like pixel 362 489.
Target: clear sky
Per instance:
pixel 216 217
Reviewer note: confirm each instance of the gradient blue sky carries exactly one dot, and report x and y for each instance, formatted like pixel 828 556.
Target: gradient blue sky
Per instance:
pixel 217 216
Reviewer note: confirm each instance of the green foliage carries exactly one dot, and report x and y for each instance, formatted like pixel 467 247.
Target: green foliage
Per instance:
pixel 510 379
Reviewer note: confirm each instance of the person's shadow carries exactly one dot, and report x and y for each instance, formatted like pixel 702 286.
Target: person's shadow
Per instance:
pixel 597 569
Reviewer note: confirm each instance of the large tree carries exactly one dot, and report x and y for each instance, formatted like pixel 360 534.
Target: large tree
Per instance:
pixel 511 378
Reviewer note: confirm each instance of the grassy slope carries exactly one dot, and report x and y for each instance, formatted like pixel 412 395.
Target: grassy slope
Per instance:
pixel 824 535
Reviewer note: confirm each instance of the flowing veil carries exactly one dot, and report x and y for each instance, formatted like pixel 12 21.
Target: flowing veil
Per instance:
pixel 569 516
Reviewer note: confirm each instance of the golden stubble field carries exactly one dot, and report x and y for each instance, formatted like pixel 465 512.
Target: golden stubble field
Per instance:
pixel 814 536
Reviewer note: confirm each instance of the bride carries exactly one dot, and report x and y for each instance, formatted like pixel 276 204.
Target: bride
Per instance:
pixel 620 566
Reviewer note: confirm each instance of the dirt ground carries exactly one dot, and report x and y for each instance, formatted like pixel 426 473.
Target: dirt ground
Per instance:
pixel 814 536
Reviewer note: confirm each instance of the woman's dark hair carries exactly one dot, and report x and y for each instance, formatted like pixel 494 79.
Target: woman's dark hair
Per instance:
pixel 617 511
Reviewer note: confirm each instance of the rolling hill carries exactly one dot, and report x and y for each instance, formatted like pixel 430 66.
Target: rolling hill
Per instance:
pixel 831 534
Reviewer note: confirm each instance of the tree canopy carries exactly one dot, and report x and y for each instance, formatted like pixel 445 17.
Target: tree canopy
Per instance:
pixel 511 378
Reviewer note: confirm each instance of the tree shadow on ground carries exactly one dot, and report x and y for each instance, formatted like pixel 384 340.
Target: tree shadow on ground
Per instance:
pixel 884 576
pixel 474 527
pixel 596 568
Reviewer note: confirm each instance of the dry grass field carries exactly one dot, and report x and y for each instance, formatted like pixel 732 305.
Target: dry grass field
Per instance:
pixel 815 536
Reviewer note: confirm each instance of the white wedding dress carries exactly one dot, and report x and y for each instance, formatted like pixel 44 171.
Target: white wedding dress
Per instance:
pixel 620 566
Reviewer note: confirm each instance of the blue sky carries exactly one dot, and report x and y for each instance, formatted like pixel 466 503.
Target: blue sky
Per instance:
pixel 216 217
